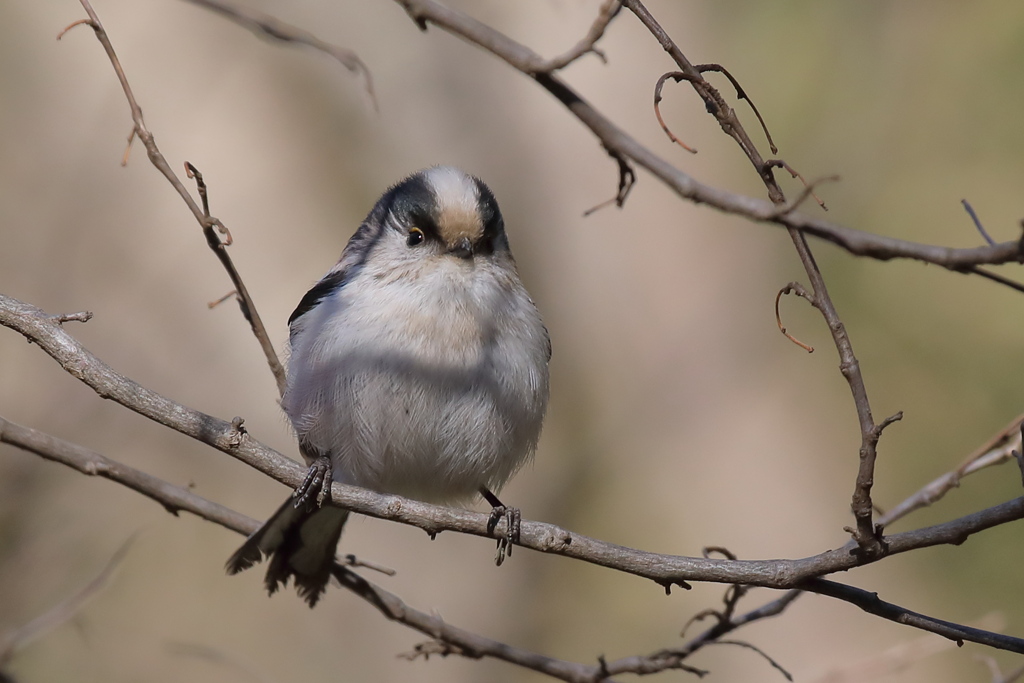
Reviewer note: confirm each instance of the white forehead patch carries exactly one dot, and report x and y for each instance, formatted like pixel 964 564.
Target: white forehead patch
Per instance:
pixel 458 204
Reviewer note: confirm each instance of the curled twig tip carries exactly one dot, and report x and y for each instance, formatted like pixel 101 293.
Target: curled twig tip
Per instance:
pixel 808 187
pixel 799 290
pixel 676 76
pixel 218 302
pixel 73 24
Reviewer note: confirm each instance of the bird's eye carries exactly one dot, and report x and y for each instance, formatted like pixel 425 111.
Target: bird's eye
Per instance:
pixel 415 237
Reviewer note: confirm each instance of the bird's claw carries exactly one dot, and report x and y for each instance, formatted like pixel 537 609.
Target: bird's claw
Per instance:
pixel 513 524
pixel 316 487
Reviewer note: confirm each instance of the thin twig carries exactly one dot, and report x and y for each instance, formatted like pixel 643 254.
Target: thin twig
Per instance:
pixel 741 94
pixel 995 451
pixel 80 317
pixel 714 103
pixel 750 646
pixel 808 187
pixel 676 76
pixel 62 612
pixel 543 537
pixel 353 561
pixel 856 242
pixel 272 27
pixel 872 604
pixel 868 538
pixel 609 10
pixel 879 666
pixel 799 290
pixel 433 647
pixel 994 277
pixel 997 674
pixel 808 191
pixel 663 569
pixel 977 222
pixel 207 222
pixel 627 179
pixel 176 499
pixel 673 658
pixel 218 302
pixel 562 95
pixel 245 301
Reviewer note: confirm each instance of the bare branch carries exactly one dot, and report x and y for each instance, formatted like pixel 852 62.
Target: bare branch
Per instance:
pixel 742 95
pixel 808 191
pixel 672 658
pixel 994 277
pixel 609 10
pixel 741 643
pixel 271 27
pixel 977 222
pixel 808 187
pixel 245 301
pixel 677 76
pixel 433 647
pixel 207 222
pixel 10 642
pixel 995 451
pixel 663 569
pixel 879 665
pixel 798 289
pixel 218 302
pixel 714 103
pixel 80 317
pixel 627 179
pixel 1012 677
pixel 175 498
pixel 856 242
pixel 868 539
pixel 871 603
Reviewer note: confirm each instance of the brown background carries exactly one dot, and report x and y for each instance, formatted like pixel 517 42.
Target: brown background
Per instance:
pixel 680 417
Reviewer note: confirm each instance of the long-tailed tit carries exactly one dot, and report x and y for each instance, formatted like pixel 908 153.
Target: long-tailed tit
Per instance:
pixel 419 366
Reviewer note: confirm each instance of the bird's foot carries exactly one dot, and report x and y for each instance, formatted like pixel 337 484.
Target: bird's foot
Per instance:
pixel 513 524
pixel 316 487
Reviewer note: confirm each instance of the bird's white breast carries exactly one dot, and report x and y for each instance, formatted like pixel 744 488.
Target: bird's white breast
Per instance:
pixel 426 386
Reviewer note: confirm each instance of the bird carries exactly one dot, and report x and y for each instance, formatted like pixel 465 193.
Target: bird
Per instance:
pixel 418 366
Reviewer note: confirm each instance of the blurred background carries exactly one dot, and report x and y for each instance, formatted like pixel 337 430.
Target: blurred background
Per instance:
pixel 680 417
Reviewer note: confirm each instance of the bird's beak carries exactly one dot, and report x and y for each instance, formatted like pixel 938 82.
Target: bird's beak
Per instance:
pixel 463 248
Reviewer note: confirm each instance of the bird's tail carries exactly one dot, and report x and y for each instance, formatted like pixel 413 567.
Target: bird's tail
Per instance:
pixel 300 542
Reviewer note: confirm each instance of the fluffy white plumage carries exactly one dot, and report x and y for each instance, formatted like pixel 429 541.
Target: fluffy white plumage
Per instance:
pixel 419 366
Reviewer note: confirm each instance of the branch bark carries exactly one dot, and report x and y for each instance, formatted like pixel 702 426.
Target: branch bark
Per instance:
pixel 176 499
pixel 667 570
pixel 231 437
pixel 210 225
pixel 616 140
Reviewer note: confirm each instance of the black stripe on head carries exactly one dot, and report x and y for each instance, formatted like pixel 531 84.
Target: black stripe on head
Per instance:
pixel 411 201
pixel 494 225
